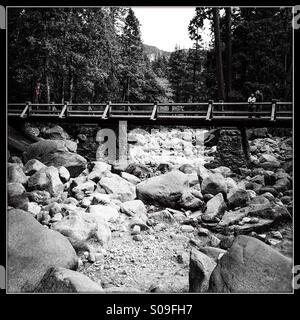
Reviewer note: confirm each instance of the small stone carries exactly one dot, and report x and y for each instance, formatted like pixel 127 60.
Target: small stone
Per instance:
pixel 137 237
pixel 254 220
pixel 86 254
pixel 214 241
pixel 262 236
pixel 136 230
pixel 187 228
pixel 276 234
pixel 91 257
pixel 203 232
pixel 246 219
pixel 57 217
pixel 273 242
pixel 98 256
pixel 179 258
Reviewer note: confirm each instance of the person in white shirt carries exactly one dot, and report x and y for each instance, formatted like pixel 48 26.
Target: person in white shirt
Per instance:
pixel 251 102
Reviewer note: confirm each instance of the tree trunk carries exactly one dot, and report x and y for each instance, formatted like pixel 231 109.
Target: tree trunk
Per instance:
pixel 219 64
pixel 47 89
pixel 63 89
pixel 37 92
pixel 228 54
pixel 71 86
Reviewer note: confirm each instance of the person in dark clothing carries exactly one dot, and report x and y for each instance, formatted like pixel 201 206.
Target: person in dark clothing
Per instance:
pixel 259 98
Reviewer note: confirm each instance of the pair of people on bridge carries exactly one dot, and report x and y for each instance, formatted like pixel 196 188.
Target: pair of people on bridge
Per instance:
pixel 252 100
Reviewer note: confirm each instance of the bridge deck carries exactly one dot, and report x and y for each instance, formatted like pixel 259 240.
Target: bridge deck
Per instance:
pixel 271 114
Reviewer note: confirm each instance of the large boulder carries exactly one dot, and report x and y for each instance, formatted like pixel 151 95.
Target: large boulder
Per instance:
pixel 214 184
pixel 165 190
pixel 215 208
pixel 56 133
pixel 32 250
pixel 61 280
pixel 119 187
pixel 76 228
pixel 252 266
pixel 201 267
pixel 57 153
pixel 16 174
pixel 46 179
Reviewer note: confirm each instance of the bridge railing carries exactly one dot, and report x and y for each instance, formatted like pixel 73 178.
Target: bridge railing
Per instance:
pixel 198 110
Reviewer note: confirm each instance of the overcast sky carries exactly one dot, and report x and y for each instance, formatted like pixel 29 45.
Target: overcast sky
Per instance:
pixel 164 27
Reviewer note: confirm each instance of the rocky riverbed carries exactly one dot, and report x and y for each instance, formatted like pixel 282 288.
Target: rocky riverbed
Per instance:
pixel 180 225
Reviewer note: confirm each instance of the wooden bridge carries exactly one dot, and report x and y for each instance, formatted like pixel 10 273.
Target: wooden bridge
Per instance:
pixel 202 114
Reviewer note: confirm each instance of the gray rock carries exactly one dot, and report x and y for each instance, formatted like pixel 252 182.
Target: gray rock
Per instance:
pixel 187 228
pixel 119 187
pixel 46 179
pixel 135 208
pixel 215 207
pixel 214 184
pixel 16 195
pixel 98 171
pixel 163 216
pixel 32 249
pixel 224 171
pixel 213 252
pixel 32 166
pixel 130 178
pixel 56 133
pixel 39 196
pixel 76 228
pixel 107 213
pixel 33 208
pixel 16 174
pixel 165 190
pixel 57 153
pixel 103 233
pixel 189 202
pixel 84 189
pixel 61 280
pixel 64 174
pixel 136 230
pixel 201 267
pixel 237 198
pixel 252 266
pixel 282 185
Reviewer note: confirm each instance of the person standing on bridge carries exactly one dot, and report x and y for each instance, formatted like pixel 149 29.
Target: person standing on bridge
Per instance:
pixel 259 98
pixel 251 104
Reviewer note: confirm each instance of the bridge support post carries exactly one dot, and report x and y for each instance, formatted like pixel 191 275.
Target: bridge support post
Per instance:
pixel 245 144
pixel 123 141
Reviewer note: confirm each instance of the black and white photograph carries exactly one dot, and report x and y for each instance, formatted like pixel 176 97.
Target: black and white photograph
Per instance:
pixel 150 150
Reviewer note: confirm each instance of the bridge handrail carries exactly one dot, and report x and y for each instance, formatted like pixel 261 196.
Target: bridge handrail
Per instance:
pixel 29 109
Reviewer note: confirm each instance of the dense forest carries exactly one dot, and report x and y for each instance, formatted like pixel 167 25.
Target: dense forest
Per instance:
pixel 96 54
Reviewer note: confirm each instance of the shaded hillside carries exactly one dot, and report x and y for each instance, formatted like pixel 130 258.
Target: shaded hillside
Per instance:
pixel 153 52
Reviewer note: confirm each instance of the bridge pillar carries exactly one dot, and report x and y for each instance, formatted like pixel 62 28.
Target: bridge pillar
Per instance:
pixel 245 144
pixel 230 151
